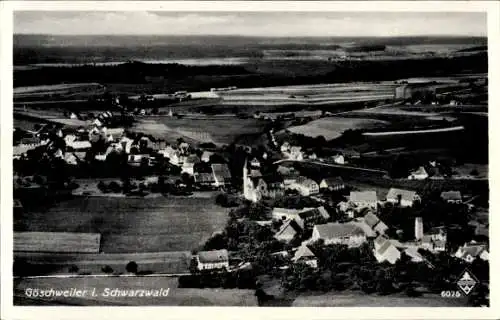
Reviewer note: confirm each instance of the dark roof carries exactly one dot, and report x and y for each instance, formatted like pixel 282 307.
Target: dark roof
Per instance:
pixel 203 177
pixel 222 170
pixel 315 212
pixel 213 256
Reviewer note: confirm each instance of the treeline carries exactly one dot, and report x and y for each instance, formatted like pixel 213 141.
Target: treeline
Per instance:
pixel 190 77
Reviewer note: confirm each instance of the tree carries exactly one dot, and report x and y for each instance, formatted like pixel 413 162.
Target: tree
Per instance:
pixel 107 269
pixel 132 267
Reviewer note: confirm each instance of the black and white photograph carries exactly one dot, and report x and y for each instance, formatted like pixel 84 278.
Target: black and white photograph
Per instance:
pixel 313 158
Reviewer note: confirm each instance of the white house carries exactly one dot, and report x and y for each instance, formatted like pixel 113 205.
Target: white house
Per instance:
pixel 296 153
pixel 304 186
pixel 471 251
pixel 339 159
pixel 332 183
pixel 364 199
pixel 205 157
pixel 285 147
pixel 339 233
pixel 384 250
pixel 419 174
pixel 213 260
pixel 404 198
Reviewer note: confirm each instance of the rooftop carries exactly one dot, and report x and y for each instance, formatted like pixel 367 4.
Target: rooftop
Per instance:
pixel 337 230
pixel 213 256
pixel 407 195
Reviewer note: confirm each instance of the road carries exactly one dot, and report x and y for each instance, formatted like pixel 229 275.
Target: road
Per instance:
pixel 341 166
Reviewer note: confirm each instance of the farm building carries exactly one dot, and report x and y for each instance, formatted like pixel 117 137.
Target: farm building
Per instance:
pixel 332 184
pixel 451 196
pixel 401 197
pixel 213 260
pixel 375 223
pixel 364 199
pixel 222 175
pixel 308 218
pixel 339 233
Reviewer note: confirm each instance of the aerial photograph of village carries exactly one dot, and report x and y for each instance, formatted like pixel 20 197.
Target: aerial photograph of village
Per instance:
pixel 288 159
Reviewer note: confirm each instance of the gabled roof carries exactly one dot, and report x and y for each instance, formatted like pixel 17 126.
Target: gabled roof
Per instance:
pixel 407 195
pixel 203 177
pixel 363 196
pixel 451 195
pixel 221 170
pixel 333 181
pixel 371 219
pixel 213 256
pixel 286 225
pixel 303 252
pixel 305 181
pixel 337 230
pixel 473 249
pixel 420 171
pixel 314 212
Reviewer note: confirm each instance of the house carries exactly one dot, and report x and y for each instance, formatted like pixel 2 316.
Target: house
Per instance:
pixel 413 253
pixel 285 147
pixel 401 197
pixel 126 144
pixel 308 218
pixel 189 163
pixel 364 199
pixel 283 213
pixel 332 184
pixel 471 251
pixel 296 153
pixel 339 233
pixel 339 159
pixel 384 250
pixel 222 175
pixel 213 260
pixel 136 160
pixel 419 174
pixel 288 230
pixel 304 186
pixel 255 163
pixel 204 179
pixel 70 158
pixel 305 255
pixel 360 222
pixel 205 156
pixel 79 145
pixel 375 223
pixel 451 196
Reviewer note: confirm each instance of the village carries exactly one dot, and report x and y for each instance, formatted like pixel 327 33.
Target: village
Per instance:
pixel 282 221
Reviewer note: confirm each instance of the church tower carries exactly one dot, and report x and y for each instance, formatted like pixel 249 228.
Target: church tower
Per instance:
pixel 249 191
pixel 419 228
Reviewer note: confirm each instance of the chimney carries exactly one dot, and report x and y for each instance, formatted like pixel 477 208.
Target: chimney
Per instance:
pixel 419 228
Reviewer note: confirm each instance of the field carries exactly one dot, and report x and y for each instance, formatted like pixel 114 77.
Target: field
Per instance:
pixel 219 130
pixel 56 242
pixel 59 91
pixel 176 296
pixel 333 127
pixel 132 225
pixel 323 94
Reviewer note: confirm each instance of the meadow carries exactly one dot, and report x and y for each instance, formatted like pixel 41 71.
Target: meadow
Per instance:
pixel 333 127
pixel 132 225
pixel 219 130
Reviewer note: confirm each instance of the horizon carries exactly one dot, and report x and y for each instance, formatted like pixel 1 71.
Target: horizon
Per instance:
pixel 251 24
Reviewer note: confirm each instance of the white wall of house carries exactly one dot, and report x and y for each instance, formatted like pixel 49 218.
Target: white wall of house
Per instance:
pixel 212 265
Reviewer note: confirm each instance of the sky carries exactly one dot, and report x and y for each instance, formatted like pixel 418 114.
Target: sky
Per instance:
pixel 278 24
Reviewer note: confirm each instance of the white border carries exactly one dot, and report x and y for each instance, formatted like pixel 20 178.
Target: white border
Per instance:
pixel 10 312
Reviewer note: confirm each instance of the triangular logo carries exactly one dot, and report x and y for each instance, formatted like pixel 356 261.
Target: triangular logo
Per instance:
pixel 467 282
